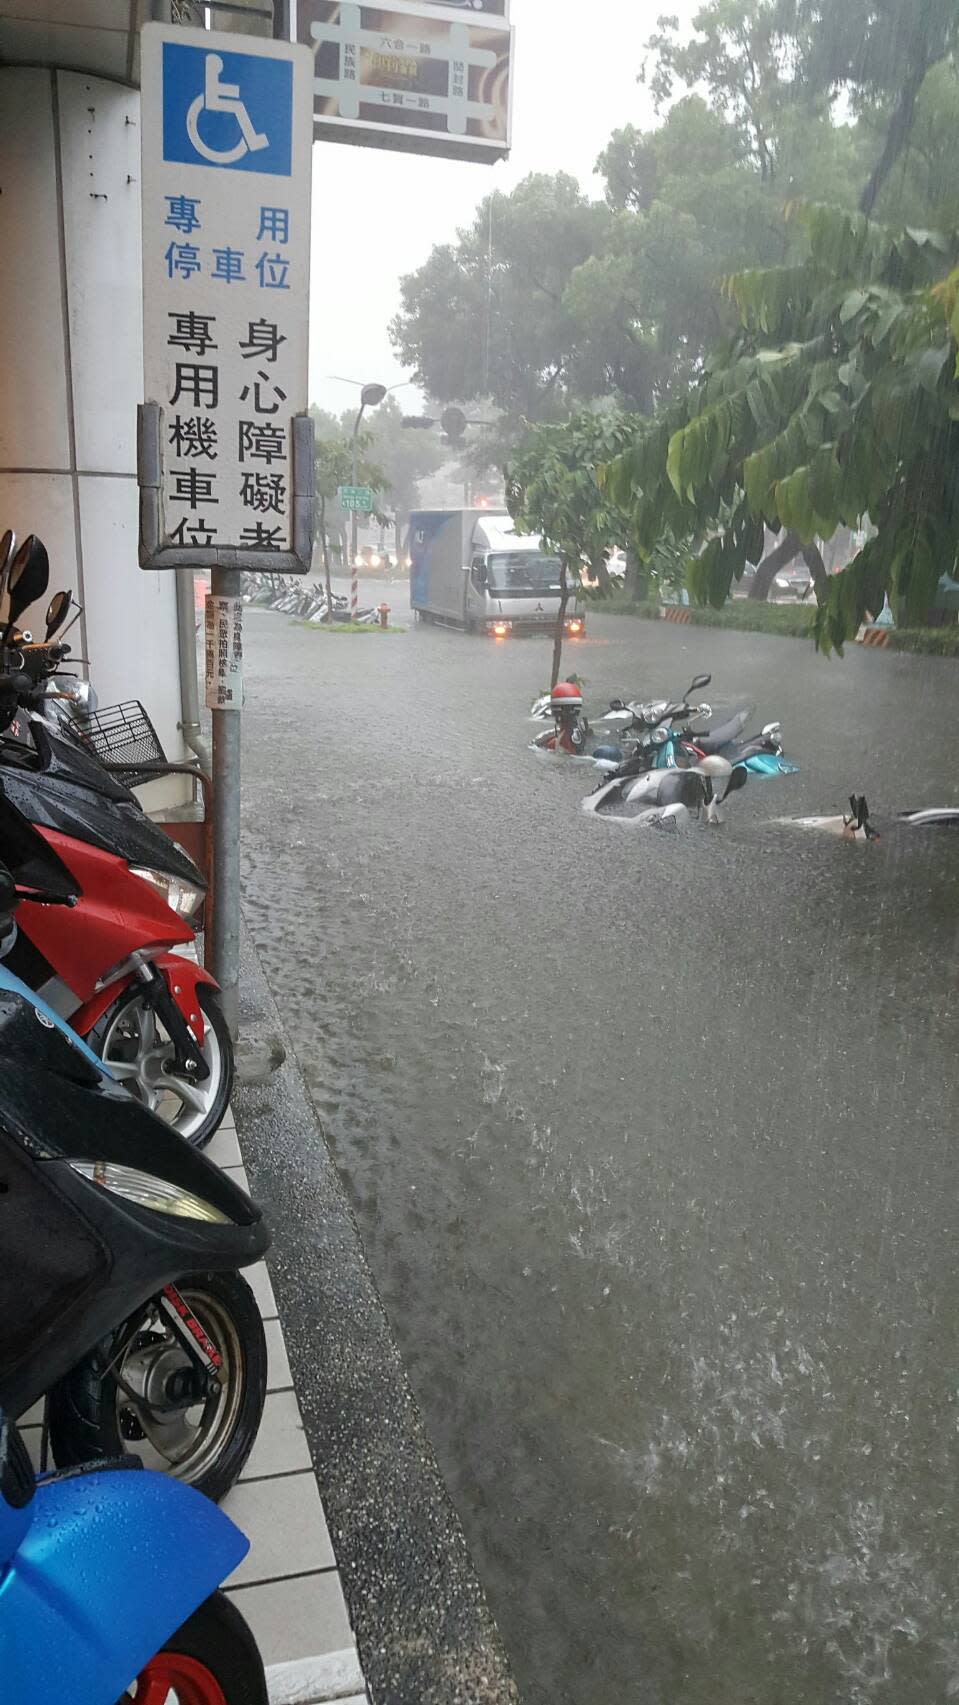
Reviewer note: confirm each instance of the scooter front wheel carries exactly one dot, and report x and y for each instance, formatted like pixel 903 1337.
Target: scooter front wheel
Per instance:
pixel 212 1659
pixel 131 1040
pixel 132 1393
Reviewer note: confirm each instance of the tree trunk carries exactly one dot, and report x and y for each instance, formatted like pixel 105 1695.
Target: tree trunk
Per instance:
pixel 326 560
pixel 637 578
pixel 812 557
pixel 770 566
pixel 559 629
pixel 599 568
pixel 900 127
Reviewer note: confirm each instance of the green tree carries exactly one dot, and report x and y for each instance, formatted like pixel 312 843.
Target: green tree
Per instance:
pixel 695 210
pixel 551 489
pixel 878 52
pixel 333 467
pixel 485 318
pixel 837 400
pixel 405 456
pixel 743 56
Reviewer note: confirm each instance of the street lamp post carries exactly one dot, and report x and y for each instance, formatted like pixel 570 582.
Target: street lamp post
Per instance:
pixel 370 397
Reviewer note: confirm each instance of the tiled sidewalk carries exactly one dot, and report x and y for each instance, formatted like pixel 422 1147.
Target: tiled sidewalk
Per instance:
pixel 287 1586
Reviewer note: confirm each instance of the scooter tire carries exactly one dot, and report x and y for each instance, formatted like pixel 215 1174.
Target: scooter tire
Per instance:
pixel 83 1406
pixel 199 1135
pixel 211 1657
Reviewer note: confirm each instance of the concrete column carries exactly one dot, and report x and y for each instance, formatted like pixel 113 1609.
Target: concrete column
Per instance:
pixel 71 374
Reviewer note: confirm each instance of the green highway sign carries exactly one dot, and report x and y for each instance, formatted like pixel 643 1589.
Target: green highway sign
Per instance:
pixel 355 497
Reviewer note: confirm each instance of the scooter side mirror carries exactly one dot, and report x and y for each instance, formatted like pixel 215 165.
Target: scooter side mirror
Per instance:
pixel 8 544
pixel 57 611
pixel 28 578
pixel 616 704
pixel 737 781
pixel 697 682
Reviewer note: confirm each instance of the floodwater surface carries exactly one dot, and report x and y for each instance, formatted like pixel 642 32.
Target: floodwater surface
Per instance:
pixel 651 1142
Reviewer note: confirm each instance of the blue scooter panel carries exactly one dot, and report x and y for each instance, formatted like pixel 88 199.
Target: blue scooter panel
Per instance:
pixel 15 986
pixel 768 764
pixel 111 1565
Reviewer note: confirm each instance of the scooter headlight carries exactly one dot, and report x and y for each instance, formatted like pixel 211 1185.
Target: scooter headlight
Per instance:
pixel 659 736
pixel 179 896
pixel 148 1192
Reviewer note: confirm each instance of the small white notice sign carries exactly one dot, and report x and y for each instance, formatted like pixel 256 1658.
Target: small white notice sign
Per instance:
pixel 224 653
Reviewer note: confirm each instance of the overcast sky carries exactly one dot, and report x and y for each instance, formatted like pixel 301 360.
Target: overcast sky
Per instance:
pixel 376 214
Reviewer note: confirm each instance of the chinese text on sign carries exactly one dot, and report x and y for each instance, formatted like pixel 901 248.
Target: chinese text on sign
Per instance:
pixel 226 254
pixel 224 653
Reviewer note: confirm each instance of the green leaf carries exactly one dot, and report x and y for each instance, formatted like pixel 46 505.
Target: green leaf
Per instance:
pixel 884 324
pixel 758 407
pixel 674 460
pixel 853 304
pixel 928 240
pixel 931 366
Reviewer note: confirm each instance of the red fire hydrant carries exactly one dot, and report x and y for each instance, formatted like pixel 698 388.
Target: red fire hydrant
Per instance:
pixel 383 611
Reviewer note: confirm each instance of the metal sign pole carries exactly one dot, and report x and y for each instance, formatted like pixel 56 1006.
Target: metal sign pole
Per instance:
pixel 354 571
pixel 224 959
pixel 225 445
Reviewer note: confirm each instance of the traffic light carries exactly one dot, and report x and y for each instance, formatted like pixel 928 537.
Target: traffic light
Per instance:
pixel 452 421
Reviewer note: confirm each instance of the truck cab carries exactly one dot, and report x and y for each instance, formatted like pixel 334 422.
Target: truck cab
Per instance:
pixel 471 568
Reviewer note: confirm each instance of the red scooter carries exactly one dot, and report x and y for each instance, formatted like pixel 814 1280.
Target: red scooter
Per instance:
pixel 106 961
pixel 570 730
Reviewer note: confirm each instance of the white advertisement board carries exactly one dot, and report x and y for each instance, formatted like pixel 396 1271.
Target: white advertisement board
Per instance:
pixel 226 276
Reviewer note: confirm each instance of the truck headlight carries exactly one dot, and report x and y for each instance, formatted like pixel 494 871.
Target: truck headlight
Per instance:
pixel 148 1192
pixel 179 896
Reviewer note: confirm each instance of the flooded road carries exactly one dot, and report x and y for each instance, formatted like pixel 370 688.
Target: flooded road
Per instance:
pixel 651 1143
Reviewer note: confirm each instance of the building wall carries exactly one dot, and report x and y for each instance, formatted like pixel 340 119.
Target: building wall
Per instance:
pixel 71 372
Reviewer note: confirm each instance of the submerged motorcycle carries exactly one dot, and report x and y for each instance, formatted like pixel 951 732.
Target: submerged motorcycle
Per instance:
pixel 857 824
pixel 666 799
pixel 570 732
pixel 660 736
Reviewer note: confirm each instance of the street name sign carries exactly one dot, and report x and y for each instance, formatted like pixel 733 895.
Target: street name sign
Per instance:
pixel 225 444
pixel 358 497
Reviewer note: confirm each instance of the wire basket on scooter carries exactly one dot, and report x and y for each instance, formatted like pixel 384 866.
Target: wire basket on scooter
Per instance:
pixel 120 735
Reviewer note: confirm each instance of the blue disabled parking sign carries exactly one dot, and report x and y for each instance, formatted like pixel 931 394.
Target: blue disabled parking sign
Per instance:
pixel 228 110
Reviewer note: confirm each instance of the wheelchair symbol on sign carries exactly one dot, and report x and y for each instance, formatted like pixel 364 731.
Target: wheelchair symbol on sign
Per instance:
pixel 220 97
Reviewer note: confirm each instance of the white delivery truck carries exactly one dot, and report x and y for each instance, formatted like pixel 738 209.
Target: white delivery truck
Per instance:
pixel 470 569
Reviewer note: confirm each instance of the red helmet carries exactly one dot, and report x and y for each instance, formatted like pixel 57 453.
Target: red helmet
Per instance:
pixel 566 695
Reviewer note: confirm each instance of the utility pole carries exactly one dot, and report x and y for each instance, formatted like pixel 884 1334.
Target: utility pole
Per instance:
pixel 370 397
